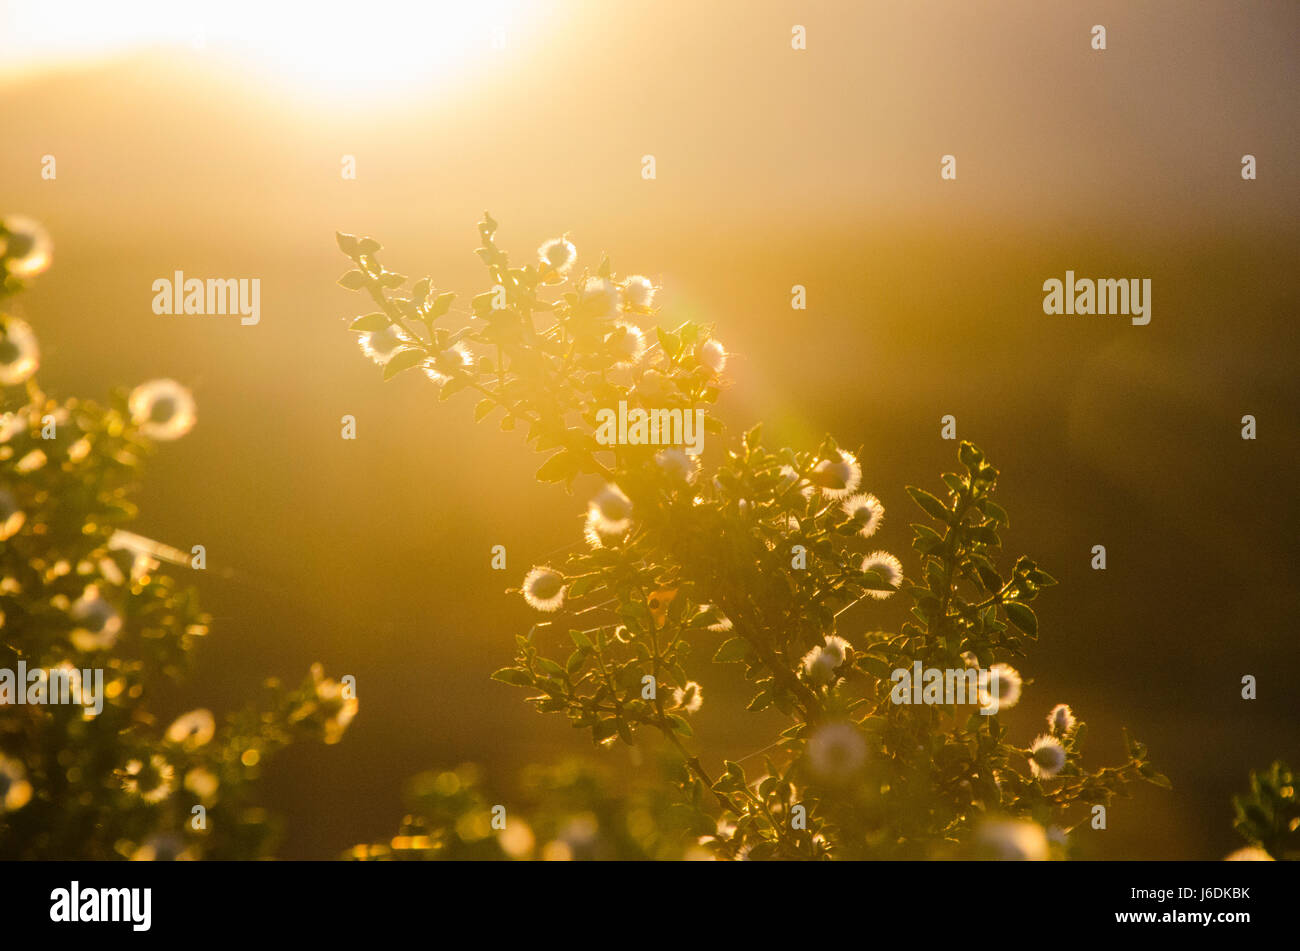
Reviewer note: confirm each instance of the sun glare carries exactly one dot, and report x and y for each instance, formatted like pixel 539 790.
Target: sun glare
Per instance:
pixel 330 48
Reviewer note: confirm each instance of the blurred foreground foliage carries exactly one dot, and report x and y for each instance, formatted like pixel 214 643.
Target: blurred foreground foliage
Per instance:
pixel 83 596
pixel 1268 817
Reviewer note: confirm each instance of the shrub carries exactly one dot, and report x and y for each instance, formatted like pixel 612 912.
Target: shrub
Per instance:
pixel 769 544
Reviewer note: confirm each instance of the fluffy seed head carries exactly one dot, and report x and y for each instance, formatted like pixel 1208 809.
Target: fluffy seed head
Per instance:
pixel 638 291
pixel 194 729
pixel 866 513
pixel 544 589
pixel 450 363
pixel 888 567
pixel 1011 840
pixel 837 478
pixel 162 409
pixel 558 254
pixel 689 698
pixel 380 345
pixel 25 246
pixel 713 355
pixel 1001 687
pixel 601 295
pixel 611 509
pixel 679 466
pixel 837 751
pixel 627 341
pixel 1046 757
pixel 19 355
pixel 1061 719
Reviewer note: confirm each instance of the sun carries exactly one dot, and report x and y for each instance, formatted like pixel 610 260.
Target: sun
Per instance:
pixel 372 47
pixel 329 48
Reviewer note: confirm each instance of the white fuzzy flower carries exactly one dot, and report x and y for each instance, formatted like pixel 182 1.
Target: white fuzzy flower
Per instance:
pixel 380 345
pixel 600 295
pixel 1061 719
pixel 678 465
pixel 888 567
pixel 25 246
pixel 194 729
pixel 837 478
pixel 19 355
pixel 638 291
pixel 837 752
pixel 866 513
pixel 689 698
pixel 151 781
pixel 544 589
pixel 820 663
pixel 713 355
pixel 558 254
pixel 1046 757
pixel 627 341
pixel 162 409
pixel 611 510
pixel 450 363
pixel 1001 687
pixel 1012 840
pixel 599 532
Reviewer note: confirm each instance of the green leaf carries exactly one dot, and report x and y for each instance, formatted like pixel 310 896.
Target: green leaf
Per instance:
pixel 995 512
pixel 679 725
pixel 671 343
pixel 1022 616
pixel 581 640
pixel 514 675
pixel 878 667
pixel 370 322
pixel 1154 778
pixel 731 651
pixel 560 466
pixel 550 666
pixel 353 280
pixel 403 360
pixel 441 304
pixel 485 406
pixel 927 540
pixel 932 506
